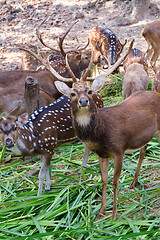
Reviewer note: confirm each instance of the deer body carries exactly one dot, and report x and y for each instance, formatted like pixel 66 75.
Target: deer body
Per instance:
pixel 112 130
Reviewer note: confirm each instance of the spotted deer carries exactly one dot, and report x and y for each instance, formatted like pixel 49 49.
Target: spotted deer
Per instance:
pixel 45 130
pixel 136 69
pixel 105 42
pixel 112 131
pixel 151 33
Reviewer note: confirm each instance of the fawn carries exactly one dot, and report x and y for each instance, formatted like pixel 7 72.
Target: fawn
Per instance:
pixel 46 129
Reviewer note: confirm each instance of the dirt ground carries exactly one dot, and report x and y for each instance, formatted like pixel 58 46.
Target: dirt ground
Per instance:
pixel 20 18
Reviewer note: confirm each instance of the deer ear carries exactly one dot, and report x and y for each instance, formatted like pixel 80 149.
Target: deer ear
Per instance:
pixel 63 88
pixel 98 83
pixel 22 119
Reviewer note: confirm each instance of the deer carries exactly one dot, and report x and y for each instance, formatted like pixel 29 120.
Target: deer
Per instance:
pixel 105 43
pixel 136 73
pixel 135 79
pixel 46 129
pixel 112 131
pixel 12 82
pixel 151 33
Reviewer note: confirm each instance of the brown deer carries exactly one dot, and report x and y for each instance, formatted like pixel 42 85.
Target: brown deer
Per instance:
pixel 136 69
pixel 151 33
pixel 135 79
pixel 46 129
pixel 105 42
pixel 112 131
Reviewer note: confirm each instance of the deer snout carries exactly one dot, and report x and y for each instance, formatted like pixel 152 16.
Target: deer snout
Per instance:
pixel 9 143
pixel 83 102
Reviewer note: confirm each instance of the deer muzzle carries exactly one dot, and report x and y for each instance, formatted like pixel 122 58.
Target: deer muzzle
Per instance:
pixel 9 143
pixel 83 102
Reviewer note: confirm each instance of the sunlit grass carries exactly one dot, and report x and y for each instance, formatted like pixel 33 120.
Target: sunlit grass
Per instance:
pixel 69 210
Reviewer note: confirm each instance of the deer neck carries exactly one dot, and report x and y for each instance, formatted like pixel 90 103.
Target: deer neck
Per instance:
pixel 85 122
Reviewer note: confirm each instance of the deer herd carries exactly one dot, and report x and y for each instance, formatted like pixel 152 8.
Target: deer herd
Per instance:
pixel 70 108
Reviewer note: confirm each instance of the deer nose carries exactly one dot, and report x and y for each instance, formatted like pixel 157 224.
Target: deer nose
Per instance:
pixel 83 102
pixel 9 143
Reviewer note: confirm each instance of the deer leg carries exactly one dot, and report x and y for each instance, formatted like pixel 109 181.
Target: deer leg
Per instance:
pixel 117 171
pixel 153 60
pixel 48 180
pixel 85 159
pixel 104 163
pixel 44 169
pixel 149 52
pixel 141 157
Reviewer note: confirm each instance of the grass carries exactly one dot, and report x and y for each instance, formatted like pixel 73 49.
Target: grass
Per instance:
pixel 69 210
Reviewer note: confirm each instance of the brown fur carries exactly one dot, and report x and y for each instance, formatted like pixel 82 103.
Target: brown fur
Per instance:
pixel 135 79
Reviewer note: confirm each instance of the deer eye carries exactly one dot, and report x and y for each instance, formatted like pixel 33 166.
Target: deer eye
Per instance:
pixel 73 94
pixel 90 92
pixel 14 127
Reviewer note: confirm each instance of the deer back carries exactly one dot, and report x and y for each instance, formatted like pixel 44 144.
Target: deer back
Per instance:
pixel 135 56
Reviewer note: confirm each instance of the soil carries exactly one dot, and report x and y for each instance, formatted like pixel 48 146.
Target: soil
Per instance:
pixel 19 20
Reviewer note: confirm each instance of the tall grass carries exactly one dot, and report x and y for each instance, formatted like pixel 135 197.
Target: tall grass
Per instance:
pixel 69 210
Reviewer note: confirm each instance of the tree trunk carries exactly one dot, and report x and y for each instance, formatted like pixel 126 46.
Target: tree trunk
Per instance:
pixel 31 94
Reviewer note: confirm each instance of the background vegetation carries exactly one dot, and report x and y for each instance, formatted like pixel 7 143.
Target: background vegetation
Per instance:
pixel 69 210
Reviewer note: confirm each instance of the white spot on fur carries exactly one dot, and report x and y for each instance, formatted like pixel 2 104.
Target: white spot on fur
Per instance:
pixel 83 119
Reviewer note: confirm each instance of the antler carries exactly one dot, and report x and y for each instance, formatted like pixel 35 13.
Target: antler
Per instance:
pixel 86 73
pixel 113 67
pixel 70 70
pixel 46 64
pixel 40 37
pixel 60 40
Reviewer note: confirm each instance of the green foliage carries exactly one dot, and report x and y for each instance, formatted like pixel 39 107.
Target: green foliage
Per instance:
pixel 113 87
